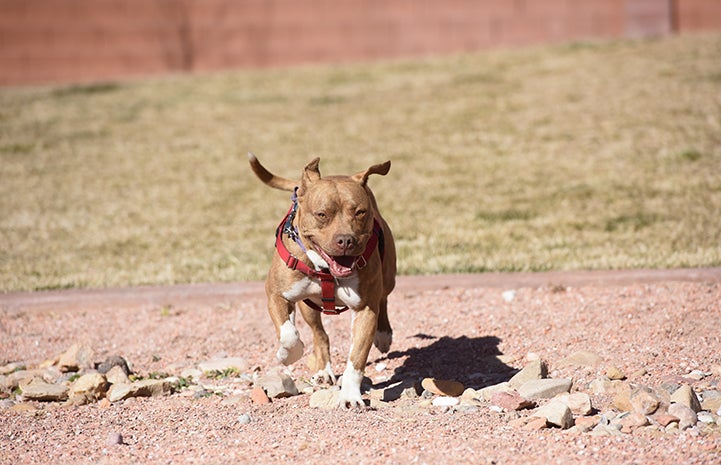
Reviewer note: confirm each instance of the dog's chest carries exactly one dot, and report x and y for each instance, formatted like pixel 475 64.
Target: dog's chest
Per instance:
pixel 346 291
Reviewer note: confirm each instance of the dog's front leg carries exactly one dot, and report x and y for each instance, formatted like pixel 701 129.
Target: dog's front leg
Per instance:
pixel 282 312
pixel 363 329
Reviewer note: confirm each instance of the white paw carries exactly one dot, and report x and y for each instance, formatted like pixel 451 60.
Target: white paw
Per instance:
pixel 324 376
pixel 291 347
pixel 383 340
pixel 350 391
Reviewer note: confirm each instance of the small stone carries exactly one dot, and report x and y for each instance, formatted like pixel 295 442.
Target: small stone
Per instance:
pixel 587 422
pixel 277 385
pixel 41 391
pixel 686 416
pixel 77 357
pixel 325 399
pixel 258 396
pixel 535 424
pixel 686 396
pixel 116 375
pixel 581 358
pixel 111 362
pixel 664 419
pixel 614 373
pixel 191 373
pixel 644 401
pixel 224 364
pixel 536 369
pixel 640 373
pixel 94 385
pixel 705 417
pixel 544 388
pixel 443 387
pixel 510 401
pixel 509 295
pixel 712 404
pixel 633 421
pixel 114 439
pixel 244 419
pixel 487 392
pixel 445 401
pixel 143 388
pixel 556 413
pixel 11 368
pixel 578 402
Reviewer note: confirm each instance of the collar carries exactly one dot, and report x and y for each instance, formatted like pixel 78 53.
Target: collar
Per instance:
pixel 327 280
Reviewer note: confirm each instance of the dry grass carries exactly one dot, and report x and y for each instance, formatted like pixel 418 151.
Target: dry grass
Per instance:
pixel 583 156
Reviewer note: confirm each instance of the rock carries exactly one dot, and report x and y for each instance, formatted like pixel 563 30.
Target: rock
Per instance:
pixel 556 413
pixel 277 385
pixel 22 377
pixel 509 295
pixel 445 401
pixel 77 357
pixel 443 387
pixel 711 401
pixel 117 375
pixel 579 402
pixel 705 417
pixel 587 423
pixel 143 388
pixel 244 419
pixel 644 401
pixel 325 399
pixel 536 369
pixel 614 373
pixel 664 419
pixel 45 392
pixel 224 364
pixel 632 421
pixel 258 396
pixel 114 439
pixel 640 373
pixel 544 388
pixel 686 416
pixel 94 385
pixel 11 368
pixel 686 396
pixel 487 392
pixel 536 424
pixel 510 401
pixel 111 362
pixel 605 386
pixel 581 358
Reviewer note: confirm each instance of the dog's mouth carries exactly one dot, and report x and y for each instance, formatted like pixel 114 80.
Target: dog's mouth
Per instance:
pixel 339 266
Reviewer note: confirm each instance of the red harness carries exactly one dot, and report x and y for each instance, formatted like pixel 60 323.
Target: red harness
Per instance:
pixel 327 280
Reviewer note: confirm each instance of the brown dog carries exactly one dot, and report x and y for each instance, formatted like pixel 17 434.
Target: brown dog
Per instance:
pixel 334 252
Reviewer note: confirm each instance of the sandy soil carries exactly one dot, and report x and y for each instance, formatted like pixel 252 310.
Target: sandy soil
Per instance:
pixel 664 322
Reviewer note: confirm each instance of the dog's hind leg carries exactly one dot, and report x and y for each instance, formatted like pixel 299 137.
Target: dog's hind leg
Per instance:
pixel 384 334
pixel 320 362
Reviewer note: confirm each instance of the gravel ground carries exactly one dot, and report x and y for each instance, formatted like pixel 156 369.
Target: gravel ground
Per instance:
pixel 660 325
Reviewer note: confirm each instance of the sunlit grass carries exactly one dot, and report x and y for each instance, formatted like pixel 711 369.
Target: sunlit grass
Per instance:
pixel 581 156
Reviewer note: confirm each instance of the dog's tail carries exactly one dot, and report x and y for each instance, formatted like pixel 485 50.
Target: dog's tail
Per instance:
pixel 269 178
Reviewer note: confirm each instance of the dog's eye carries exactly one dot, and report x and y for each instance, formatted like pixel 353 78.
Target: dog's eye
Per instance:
pixel 320 215
pixel 360 213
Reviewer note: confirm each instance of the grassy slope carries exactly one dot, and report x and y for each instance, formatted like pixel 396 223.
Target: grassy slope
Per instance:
pixel 591 155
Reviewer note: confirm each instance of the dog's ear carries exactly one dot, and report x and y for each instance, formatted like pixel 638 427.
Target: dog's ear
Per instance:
pixel 311 173
pixel 381 169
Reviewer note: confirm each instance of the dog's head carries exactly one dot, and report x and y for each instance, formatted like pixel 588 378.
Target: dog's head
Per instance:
pixel 335 215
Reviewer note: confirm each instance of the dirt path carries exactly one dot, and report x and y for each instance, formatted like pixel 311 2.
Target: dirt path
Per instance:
pixel 659 328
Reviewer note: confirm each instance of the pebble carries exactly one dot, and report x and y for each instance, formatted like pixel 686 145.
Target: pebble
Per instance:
pixel 578 402
pixel 509 295
pixel 443 387
pixel 445 401
pixel 94 385
pixel 705 417
pixel 77 357
pixel 556 413
pixel 536 369
pixel 544 388
pixel 277 385
pixel 510 401
pixel 41 391
pixel 686 396
pixel 142 388
pixel 116 375
pixel 614 373
pixel 114 361
pixel 487 392
pixel 258 396
pixel 325 399
pixel 581 358
pixel 114 439
pixel 244 419
pixel 687 417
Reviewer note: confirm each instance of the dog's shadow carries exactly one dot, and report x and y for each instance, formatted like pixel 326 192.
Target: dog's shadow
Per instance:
pixel 473 361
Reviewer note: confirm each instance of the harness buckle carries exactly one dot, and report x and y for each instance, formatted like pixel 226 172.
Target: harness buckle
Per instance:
pixel 361 262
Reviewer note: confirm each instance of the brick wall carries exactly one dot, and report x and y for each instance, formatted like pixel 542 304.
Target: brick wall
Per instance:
pixel 88 40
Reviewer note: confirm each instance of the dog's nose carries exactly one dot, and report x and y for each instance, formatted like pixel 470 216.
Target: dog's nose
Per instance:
pixel 345 241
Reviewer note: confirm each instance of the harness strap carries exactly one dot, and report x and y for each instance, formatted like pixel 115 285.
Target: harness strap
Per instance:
pixel 327 280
